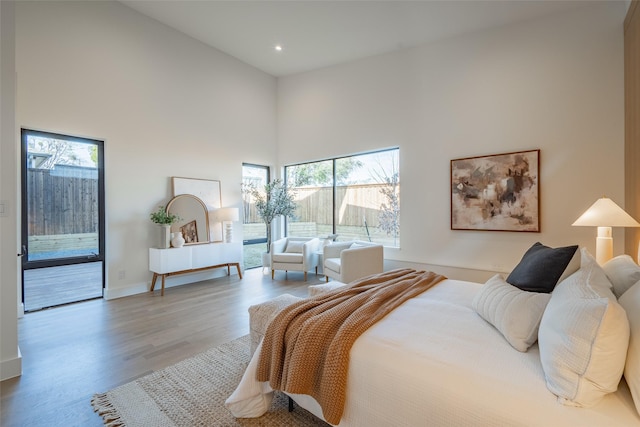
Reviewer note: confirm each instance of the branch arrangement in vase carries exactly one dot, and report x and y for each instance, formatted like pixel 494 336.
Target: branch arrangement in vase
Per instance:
pixel 271 201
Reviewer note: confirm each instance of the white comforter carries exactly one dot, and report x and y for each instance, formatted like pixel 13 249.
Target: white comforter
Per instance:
pixel 434 362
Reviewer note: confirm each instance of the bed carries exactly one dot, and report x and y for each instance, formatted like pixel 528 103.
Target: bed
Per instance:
pixel 436 361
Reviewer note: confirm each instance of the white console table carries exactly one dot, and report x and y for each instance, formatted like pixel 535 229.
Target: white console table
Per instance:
pixel 193 258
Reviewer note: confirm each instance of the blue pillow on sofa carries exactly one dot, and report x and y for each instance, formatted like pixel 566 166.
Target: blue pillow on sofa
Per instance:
pixel 542 267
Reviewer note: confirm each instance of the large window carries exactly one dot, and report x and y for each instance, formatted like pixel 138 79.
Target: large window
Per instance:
pixel 356 197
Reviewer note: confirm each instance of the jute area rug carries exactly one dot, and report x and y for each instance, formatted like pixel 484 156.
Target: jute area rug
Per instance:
pixel 192 393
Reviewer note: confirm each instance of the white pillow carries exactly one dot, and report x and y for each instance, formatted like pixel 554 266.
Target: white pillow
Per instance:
pixel 294 247
pixel 583 337
pixel 631 303
pixel 623 272
pixel 512 311
pixel 572 267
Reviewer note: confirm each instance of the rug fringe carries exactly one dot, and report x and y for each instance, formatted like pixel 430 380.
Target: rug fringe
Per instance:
pixel 102 405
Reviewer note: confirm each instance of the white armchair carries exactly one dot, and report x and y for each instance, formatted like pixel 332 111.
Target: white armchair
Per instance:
pixel 348 261
pixel 294 254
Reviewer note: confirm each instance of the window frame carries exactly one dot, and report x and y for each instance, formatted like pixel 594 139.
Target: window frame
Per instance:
pixel 334 185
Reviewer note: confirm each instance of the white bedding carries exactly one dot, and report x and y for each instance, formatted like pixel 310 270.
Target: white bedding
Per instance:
pixel 433 361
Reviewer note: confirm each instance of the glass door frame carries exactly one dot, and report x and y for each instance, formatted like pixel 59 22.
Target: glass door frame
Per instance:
pixel 248 242
pixel 54 262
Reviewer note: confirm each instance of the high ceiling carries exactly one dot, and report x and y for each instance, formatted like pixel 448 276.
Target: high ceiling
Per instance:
pixel 316 34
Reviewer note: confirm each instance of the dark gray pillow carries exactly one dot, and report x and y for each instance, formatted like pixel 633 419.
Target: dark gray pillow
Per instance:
pixel 541 267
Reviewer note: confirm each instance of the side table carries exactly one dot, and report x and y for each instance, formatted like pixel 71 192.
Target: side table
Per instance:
pixel 319 261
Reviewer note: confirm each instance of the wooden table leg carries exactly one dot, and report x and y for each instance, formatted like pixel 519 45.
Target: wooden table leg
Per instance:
pixel 238 267
pixel 153 282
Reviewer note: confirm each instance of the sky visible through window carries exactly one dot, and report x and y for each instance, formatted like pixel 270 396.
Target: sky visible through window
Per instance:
pixel 51 151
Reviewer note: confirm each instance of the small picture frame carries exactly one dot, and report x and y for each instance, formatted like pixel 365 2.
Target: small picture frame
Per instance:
pixel 499 192
pixel 190 232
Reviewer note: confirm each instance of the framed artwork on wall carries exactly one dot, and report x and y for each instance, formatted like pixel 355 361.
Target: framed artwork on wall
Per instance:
pixel 208 190
pixel 500 192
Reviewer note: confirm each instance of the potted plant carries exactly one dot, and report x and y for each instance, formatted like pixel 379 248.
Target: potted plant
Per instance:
pixel 164 219
pixel 274 200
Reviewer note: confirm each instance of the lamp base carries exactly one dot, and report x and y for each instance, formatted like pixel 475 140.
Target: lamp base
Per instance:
pixel 604 245
pixel 228 232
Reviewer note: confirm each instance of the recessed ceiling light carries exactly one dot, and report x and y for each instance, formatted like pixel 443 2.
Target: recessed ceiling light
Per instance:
pixel 278 48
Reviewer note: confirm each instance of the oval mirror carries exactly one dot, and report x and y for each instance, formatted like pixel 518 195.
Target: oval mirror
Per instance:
pixel 194 218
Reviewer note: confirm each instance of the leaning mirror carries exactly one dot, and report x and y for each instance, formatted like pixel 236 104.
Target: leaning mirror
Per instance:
pixel 194 218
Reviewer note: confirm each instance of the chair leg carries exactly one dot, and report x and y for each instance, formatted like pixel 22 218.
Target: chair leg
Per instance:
pixel 305 276
pixel 272 272
pixel 326 278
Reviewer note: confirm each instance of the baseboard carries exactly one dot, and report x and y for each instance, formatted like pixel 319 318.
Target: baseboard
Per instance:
pixel 11 368
pixel 135 289
pixel 170 282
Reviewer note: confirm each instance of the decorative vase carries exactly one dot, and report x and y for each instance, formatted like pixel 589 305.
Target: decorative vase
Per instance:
pixel 165 236
pixel 177 241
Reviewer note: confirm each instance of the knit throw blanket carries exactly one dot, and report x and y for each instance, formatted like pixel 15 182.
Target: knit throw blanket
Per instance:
pixel 306 347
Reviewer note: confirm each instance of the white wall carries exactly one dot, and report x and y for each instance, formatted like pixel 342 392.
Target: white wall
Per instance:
pixel 10 359
pixel 165 105
pixel 555 84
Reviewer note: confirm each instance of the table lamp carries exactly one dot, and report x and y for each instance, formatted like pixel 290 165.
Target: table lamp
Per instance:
pixel 604 214
pixel 226 216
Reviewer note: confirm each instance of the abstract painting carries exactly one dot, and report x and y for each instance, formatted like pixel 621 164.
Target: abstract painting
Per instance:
pixel 498 192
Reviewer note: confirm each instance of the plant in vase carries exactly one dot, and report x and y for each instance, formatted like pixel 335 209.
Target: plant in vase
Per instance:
pixel 164 219
pixel 273 200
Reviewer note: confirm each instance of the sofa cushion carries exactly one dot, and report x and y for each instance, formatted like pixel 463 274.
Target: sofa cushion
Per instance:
pixel 287 258
pixel 542 267
pixel 294 247
pixel 332 264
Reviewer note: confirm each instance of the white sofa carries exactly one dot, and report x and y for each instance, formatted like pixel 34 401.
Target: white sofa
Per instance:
pixel 348 261
pixel 294 254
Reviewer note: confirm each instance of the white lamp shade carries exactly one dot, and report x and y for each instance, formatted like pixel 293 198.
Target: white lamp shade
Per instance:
pixel 605 213
pixel 226 214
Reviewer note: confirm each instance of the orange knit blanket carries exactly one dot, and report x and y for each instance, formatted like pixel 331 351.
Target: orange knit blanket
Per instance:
pixel 306 347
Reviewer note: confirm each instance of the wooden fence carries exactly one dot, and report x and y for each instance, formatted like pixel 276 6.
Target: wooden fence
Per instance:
pixel 61 204
pixel 66 203
pixel 355 203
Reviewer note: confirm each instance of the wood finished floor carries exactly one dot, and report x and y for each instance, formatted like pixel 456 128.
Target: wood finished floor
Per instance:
pixel 51 286
pixel 71 352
